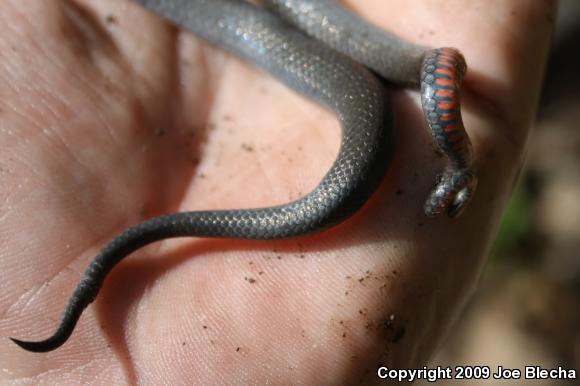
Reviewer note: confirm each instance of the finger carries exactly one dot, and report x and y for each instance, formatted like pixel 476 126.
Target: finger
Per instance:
pixel 505 44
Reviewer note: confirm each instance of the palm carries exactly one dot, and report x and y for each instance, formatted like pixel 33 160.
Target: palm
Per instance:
pixel 116 120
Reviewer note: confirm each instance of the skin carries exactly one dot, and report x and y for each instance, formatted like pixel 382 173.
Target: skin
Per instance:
pixel 110 120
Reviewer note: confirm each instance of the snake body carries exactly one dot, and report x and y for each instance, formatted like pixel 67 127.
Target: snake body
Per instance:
pixel 325 73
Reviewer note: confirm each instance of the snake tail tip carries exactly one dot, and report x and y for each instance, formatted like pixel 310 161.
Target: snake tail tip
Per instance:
pixel 40 346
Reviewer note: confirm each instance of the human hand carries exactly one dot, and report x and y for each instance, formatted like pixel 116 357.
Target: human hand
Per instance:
pixel 106 111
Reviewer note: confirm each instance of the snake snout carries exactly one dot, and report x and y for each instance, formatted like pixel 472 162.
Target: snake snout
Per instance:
pixel 452 194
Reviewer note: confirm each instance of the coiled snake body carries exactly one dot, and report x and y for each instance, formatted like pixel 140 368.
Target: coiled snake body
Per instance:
pixel 324 72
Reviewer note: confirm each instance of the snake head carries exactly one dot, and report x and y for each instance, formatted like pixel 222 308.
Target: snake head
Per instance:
pixel 452 194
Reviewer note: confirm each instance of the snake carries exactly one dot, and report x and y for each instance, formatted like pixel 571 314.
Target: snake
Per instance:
pixel 332 56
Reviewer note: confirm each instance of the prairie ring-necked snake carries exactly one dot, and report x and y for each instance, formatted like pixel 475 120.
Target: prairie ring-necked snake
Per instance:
pixel 332 56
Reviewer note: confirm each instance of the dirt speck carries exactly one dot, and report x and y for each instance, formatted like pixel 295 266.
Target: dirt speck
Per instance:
pixel 110 19
pixel 247 147
pixel 395 331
